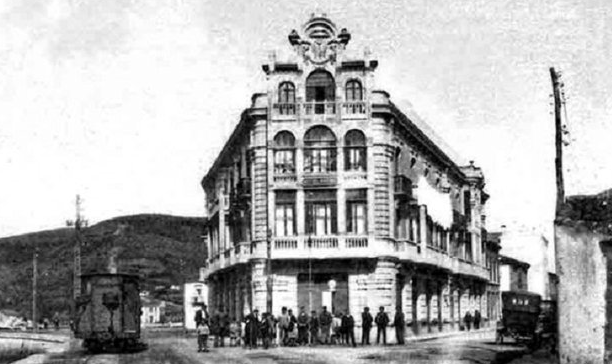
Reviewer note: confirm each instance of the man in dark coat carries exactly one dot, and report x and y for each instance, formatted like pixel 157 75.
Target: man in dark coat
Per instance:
pixel 467 319
pixel 366 326
pixel 283 326
pixel 313 327
pixel 325 321
pixel 302 322
pixel 290 328
pixel 348 326
pixel 224 323
pixel 399 322
pixel 265 329
pixel 477 319
pixel 252 329
pixel 382 321
pixel 215 328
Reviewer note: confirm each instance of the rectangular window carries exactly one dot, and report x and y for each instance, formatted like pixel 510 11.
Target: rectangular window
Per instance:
pixel 320 160
pixel 357 211
pixel 468 246
pixel 321 212
pixel 284 161
pixel 467 205
pixel 285 213
pixel 355 159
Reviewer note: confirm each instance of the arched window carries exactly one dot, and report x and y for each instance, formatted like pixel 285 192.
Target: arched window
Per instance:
pixel 354 91
pixel 286 98
pixel 284 153
pixel 321 91
pixel 319 150
pixel 355 158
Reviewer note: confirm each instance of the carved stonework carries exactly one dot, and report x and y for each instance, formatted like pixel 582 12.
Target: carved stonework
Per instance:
pixel 321 44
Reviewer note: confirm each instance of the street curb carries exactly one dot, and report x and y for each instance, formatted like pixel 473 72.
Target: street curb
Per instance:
pixel 466 334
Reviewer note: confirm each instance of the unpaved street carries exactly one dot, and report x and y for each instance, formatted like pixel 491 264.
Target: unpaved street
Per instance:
pixel 178 348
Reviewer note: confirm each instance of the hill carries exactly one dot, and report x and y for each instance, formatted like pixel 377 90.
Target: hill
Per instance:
pixel 163 250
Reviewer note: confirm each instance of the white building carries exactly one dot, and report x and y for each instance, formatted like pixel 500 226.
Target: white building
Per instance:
pixel 532 247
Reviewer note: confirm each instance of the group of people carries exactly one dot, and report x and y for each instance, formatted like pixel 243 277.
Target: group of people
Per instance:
pixel 317 328
pixel 468 320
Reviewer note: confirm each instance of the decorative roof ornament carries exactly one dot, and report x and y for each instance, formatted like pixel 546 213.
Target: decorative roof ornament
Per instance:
pixel 322 42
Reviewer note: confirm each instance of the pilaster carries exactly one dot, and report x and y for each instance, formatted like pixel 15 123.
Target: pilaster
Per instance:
pixel 258 285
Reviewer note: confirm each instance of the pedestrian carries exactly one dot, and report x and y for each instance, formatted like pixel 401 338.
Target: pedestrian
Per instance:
pixel 302 323
pixel 382 321
pixel 252 329
pixel 467 319
pixel 234 333
pixel 336 329
pixel 291 329
pixel 366 326
pixel 224 327
pixel 477 319
pixel 348 326
pixel 325 321
pixel 56 320
pixel 265 330
pixel 215 327
pixel 399 322
pixel 202 331
pixel 313 328
pixel 283 326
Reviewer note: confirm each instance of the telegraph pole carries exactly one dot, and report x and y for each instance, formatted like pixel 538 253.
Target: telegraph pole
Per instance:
pixel 556 84
pixel 78 242
pixel 34 288
pixel 559 131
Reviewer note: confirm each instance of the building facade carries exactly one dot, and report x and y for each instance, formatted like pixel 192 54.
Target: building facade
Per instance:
pixel 514 274
pixel 352 202
pixel 583 235
pixel 531 246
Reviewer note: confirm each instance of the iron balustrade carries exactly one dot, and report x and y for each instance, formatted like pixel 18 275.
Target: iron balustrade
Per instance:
pixel 354 108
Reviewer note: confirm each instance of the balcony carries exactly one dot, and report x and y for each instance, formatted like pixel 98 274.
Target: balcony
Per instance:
pixel 342 247
pixel 319 108
pixel 320 179
pixel 354 108
pixel 348 110
pixel 402 187
pixel 288 110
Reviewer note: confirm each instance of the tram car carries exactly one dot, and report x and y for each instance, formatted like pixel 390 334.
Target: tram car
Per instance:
pixel 107 313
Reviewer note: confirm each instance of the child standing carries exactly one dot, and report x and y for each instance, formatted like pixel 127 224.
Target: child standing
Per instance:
pixel 203 331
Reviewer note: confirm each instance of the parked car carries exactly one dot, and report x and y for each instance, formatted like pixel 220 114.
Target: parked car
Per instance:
pixel 520 314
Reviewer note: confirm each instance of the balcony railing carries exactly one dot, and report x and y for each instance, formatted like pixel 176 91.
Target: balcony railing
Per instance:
pixel 285 108
pixel 319 108
pixel 342 247
pixel 354 108
pixel 291 110
pixel 320 179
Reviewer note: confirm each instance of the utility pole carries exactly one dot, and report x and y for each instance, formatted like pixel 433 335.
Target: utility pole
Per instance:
pixel 78 223
pixel 34 288
pixel 556 84
pixel 557 95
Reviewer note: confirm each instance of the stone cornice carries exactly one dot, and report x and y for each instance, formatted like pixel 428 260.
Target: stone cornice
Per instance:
pixel 247 118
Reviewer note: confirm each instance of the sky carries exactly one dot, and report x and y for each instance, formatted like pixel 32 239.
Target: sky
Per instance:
pixel 127 102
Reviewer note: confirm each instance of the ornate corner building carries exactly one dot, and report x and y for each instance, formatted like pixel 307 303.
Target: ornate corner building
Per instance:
pixel 353 203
